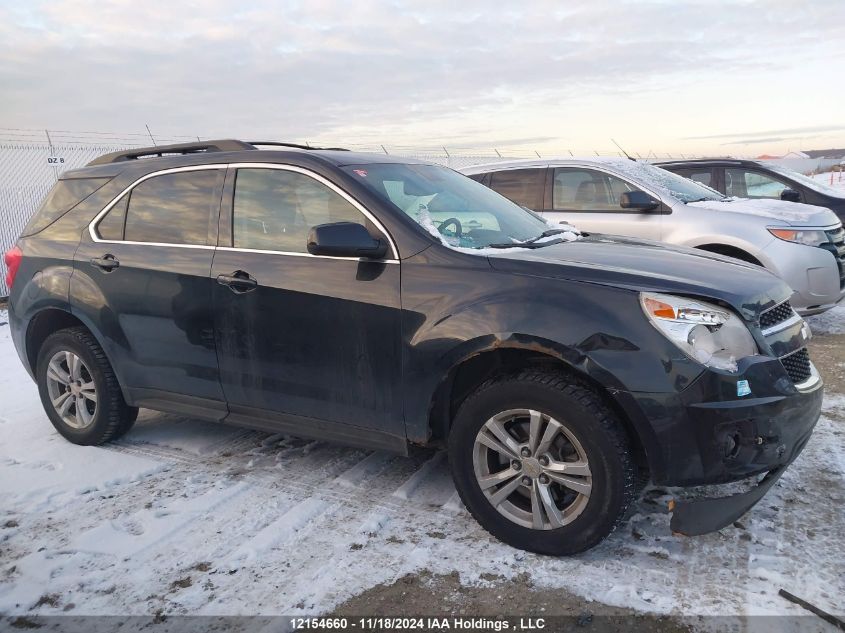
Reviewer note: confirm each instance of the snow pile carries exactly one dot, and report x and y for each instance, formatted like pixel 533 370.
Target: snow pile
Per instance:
pixel 830 322
pixel 822 182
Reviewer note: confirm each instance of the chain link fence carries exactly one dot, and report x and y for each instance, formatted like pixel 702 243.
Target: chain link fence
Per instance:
pixel 32 160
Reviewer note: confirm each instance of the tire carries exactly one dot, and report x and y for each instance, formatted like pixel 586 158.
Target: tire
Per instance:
pixel 586 434
pixel 73 367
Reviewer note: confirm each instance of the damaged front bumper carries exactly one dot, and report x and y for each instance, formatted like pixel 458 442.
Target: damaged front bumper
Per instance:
pixel 707 434
pixel 700 516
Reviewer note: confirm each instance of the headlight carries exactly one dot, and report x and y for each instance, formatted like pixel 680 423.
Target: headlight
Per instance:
pixel 809 238
pixel 712 335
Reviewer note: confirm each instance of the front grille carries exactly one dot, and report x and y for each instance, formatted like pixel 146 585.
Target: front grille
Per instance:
pixel 797 365
pixel 836 245
pixel 773 316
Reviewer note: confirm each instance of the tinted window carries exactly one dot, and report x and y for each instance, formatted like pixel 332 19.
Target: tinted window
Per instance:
pixel 64 195
pixel 751 184
pixel 698 175
pixel 111 226
pixel 174 208
pixel 578 189
pixel 522 186
pixel 275 209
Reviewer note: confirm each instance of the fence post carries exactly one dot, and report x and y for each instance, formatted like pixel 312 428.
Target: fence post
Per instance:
pixel 50 149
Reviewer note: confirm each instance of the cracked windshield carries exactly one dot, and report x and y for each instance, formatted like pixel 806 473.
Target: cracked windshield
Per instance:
pixel 458 211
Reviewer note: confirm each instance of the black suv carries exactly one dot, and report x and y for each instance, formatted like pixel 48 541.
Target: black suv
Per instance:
pixel 381 302
pixel 756 179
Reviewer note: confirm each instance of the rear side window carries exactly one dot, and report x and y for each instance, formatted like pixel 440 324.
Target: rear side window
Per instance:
pixel 64 195
pixel 168 209
pixel 522 186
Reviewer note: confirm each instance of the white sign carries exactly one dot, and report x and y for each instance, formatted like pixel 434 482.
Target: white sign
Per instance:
pixel 55 160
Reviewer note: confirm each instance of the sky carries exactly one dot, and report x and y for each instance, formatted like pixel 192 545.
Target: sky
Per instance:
pixel 738 77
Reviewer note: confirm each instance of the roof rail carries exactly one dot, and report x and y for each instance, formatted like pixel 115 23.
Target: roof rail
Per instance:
pixel 297 146
pixel 179 148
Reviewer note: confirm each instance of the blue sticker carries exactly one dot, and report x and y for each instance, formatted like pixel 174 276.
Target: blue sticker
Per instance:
pixel 742 388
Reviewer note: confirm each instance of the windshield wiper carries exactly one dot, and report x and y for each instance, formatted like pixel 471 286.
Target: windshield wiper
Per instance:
pixel 534 241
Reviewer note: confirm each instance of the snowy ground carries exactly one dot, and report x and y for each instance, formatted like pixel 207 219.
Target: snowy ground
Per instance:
pixel 838 181
pixel 189 517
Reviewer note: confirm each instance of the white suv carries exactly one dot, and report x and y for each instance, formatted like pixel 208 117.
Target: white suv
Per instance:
pixel 802 244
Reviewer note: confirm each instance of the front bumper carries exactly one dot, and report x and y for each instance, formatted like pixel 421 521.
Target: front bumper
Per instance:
pixel 708 434
pixel 701 516
pixel 811 272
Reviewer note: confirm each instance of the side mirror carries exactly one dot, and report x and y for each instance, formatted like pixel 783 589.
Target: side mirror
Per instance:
pixel 639 200
pixel 790 195
pixel 345 239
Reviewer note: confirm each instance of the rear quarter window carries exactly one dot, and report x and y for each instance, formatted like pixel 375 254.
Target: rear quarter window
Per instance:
pixel 63 197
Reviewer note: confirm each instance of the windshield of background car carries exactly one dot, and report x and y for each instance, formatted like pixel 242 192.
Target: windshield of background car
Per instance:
pixel 678 187
pixel 457 210
pixel 812 183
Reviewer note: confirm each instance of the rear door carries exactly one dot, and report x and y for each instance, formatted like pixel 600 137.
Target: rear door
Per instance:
pixel 305 342
pixel 589 199
pixel 141 280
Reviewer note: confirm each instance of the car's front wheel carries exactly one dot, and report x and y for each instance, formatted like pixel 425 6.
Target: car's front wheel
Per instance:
pixel 542 463
pixel 79 389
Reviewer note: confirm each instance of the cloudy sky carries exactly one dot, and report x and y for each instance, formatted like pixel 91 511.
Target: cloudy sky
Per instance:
pixel 717 76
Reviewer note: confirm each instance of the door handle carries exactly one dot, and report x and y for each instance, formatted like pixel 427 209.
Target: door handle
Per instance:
pixel 106 263
pixel 238 282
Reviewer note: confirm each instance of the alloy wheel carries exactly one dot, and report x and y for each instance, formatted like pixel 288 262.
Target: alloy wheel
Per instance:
pixel 71 388
pixel 532 469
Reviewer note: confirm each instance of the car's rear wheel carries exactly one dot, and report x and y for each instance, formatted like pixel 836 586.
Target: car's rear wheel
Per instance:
pixel 79 389
pixel 542 463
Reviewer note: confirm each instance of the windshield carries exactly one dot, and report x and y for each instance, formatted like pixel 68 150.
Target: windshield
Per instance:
pixel 458 211
pixel 678 187
pixel 807 181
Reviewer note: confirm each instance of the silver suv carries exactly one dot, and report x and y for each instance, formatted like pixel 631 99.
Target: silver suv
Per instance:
pixel 802 244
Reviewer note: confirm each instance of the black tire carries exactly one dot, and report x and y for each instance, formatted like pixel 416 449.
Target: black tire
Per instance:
pixel 113 417
pixel 583 413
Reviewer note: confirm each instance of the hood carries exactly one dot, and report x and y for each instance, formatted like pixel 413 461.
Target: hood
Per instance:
pixel 792 213
pixel 650 266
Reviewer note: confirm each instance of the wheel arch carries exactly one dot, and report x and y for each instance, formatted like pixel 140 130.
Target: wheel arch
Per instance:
pixel 50 320
pixel 472 369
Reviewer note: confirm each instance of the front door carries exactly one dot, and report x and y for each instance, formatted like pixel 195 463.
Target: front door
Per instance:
pixel 589 200
pixel 302 339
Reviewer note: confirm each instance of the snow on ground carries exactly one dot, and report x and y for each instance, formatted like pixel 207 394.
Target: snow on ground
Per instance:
pixel 191 517
pixel 838 180
pixel 830 322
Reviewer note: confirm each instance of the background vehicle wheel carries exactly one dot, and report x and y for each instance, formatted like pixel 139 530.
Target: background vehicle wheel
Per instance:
pixel 542 463
pixel 79 390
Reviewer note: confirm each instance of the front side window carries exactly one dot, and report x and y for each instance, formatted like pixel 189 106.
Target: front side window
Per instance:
pixel 275 209
pixel 455 209
pixel 169 209
pixel 752 184
pixel 522 186
pixel 577 189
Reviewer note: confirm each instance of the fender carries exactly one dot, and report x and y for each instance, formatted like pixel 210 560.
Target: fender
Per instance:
pixel 755 250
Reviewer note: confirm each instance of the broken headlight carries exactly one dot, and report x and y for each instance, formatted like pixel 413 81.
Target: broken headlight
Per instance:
pixel 710 334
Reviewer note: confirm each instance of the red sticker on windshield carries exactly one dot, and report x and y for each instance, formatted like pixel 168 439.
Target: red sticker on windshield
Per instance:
pixel 361 172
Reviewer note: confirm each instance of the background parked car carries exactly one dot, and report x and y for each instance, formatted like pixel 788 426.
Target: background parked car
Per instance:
pixel 755 179
pixel 803 244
